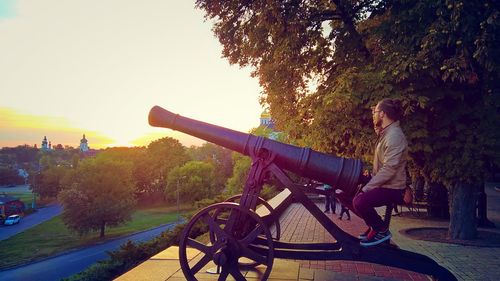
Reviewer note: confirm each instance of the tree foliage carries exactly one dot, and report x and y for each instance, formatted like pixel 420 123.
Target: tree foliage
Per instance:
pixel 20 153
pixel 10 176
pixel 150 165
pixel 162 156
pixel 49 182
pixel 194 181
pixel 219 156
pixel 241 168
pixel 440 57
pixel 97 194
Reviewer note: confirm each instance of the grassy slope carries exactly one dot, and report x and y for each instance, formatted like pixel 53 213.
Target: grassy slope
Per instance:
pixel 52 237
pixel 26 197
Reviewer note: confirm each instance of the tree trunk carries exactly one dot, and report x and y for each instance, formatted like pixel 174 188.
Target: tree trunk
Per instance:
pixel 418 187
pixel 462 212
pixel 103 226
pixel 437 201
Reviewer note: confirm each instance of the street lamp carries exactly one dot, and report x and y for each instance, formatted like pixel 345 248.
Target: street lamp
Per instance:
pixel 177 191
pixel 33 202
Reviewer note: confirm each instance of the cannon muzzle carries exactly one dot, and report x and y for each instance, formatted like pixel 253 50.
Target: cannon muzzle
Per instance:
pixel 342 173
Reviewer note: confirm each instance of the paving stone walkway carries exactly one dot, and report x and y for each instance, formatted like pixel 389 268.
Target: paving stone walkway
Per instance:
pixel 298 225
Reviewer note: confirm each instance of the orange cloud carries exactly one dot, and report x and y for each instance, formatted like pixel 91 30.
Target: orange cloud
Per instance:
pixel 18 128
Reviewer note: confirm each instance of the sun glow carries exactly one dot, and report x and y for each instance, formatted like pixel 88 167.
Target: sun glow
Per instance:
pixel 101 77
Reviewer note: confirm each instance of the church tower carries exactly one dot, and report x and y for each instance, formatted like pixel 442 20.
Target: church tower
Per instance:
pixel 266 120
pixel 45 144
pixel 84 147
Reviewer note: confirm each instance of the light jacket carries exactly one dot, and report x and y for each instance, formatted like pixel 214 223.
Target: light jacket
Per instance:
pixel 389 161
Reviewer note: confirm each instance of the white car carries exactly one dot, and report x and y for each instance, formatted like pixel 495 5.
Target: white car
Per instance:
pixel 13 219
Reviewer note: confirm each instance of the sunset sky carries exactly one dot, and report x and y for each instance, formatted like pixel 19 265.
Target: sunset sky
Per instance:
pixel 78 67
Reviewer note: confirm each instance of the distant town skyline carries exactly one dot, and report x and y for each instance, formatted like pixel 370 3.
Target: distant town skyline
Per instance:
pixel 96 68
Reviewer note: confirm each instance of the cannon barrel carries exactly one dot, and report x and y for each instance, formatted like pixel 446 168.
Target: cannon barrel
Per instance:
pixel 342 173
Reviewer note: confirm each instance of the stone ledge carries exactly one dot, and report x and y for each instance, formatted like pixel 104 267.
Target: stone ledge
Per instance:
pixel 165 266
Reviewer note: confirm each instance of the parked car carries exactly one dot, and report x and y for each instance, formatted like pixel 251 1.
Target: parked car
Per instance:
pixel 12 219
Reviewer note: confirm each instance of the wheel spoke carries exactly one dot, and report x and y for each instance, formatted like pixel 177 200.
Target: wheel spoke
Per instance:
pixel 223 275
pixel 233 217
pixel 235 272
pixel 200 264
pixel 214 227
pixel 198 246
pixel 254 256
pixel 252 235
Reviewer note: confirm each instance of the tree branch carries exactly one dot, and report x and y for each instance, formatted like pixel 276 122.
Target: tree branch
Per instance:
pixel 348 21
pixel 326 15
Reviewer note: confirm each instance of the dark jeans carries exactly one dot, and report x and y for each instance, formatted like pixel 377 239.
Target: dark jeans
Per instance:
pixel 344 210
pixel 364 205
pixel 330 202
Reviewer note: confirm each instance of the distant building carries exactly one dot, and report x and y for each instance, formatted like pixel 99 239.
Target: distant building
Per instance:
pixel 22 173
pixel 45 144
pixel 84 146
pixel 267 121
pixel 85 150
pixel 10 206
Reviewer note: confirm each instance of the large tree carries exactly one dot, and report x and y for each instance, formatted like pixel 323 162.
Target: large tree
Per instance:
pixel 49 182
pixel 162 156
pixel 322 64
pixel 195 180
pixel 99 193
pixel 219 156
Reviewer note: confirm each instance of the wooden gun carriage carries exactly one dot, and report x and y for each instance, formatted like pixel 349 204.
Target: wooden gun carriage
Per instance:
pixel 239 238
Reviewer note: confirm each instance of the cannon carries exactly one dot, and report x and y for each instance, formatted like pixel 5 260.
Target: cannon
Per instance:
pixel 240 239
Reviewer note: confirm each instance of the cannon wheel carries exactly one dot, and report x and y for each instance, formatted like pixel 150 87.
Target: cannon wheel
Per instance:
pixel 229 243
pixel 247 263
pixel 261 200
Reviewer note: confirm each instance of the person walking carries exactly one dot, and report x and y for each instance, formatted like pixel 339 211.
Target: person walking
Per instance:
pixel 330 202
pixel 387 185
pixel 344 210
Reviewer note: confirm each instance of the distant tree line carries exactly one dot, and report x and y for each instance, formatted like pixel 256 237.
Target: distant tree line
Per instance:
pixel 103 190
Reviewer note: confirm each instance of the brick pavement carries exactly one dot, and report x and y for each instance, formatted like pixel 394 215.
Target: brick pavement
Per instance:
pixel 465 262
pixel 298 225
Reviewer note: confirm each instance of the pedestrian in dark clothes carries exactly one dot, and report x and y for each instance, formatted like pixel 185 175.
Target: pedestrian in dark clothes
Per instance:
pixel 344 210
pixel 330 201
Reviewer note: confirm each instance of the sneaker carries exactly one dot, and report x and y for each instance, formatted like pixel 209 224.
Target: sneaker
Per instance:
pixel 326 211
pixel 363 235
pixel 379 237
pixel 340 218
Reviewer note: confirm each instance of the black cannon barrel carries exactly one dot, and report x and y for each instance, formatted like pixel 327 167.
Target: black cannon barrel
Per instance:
pixel 339 172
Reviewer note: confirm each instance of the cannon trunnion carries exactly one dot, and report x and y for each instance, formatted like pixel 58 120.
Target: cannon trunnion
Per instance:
pixel 239 238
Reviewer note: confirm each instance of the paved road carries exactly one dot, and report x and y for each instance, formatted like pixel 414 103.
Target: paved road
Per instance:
pixel 29 221
pixel 17 188
pixel 65 265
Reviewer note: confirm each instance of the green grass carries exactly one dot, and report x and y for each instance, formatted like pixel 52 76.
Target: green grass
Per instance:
pixel 52 237
pixel 26 197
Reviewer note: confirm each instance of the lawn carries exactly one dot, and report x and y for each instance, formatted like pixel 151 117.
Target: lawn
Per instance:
pixel 52 237
pixel 26 197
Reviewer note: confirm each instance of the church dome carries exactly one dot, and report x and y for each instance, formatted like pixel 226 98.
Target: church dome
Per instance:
pixel 84 140
pixel 265 114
